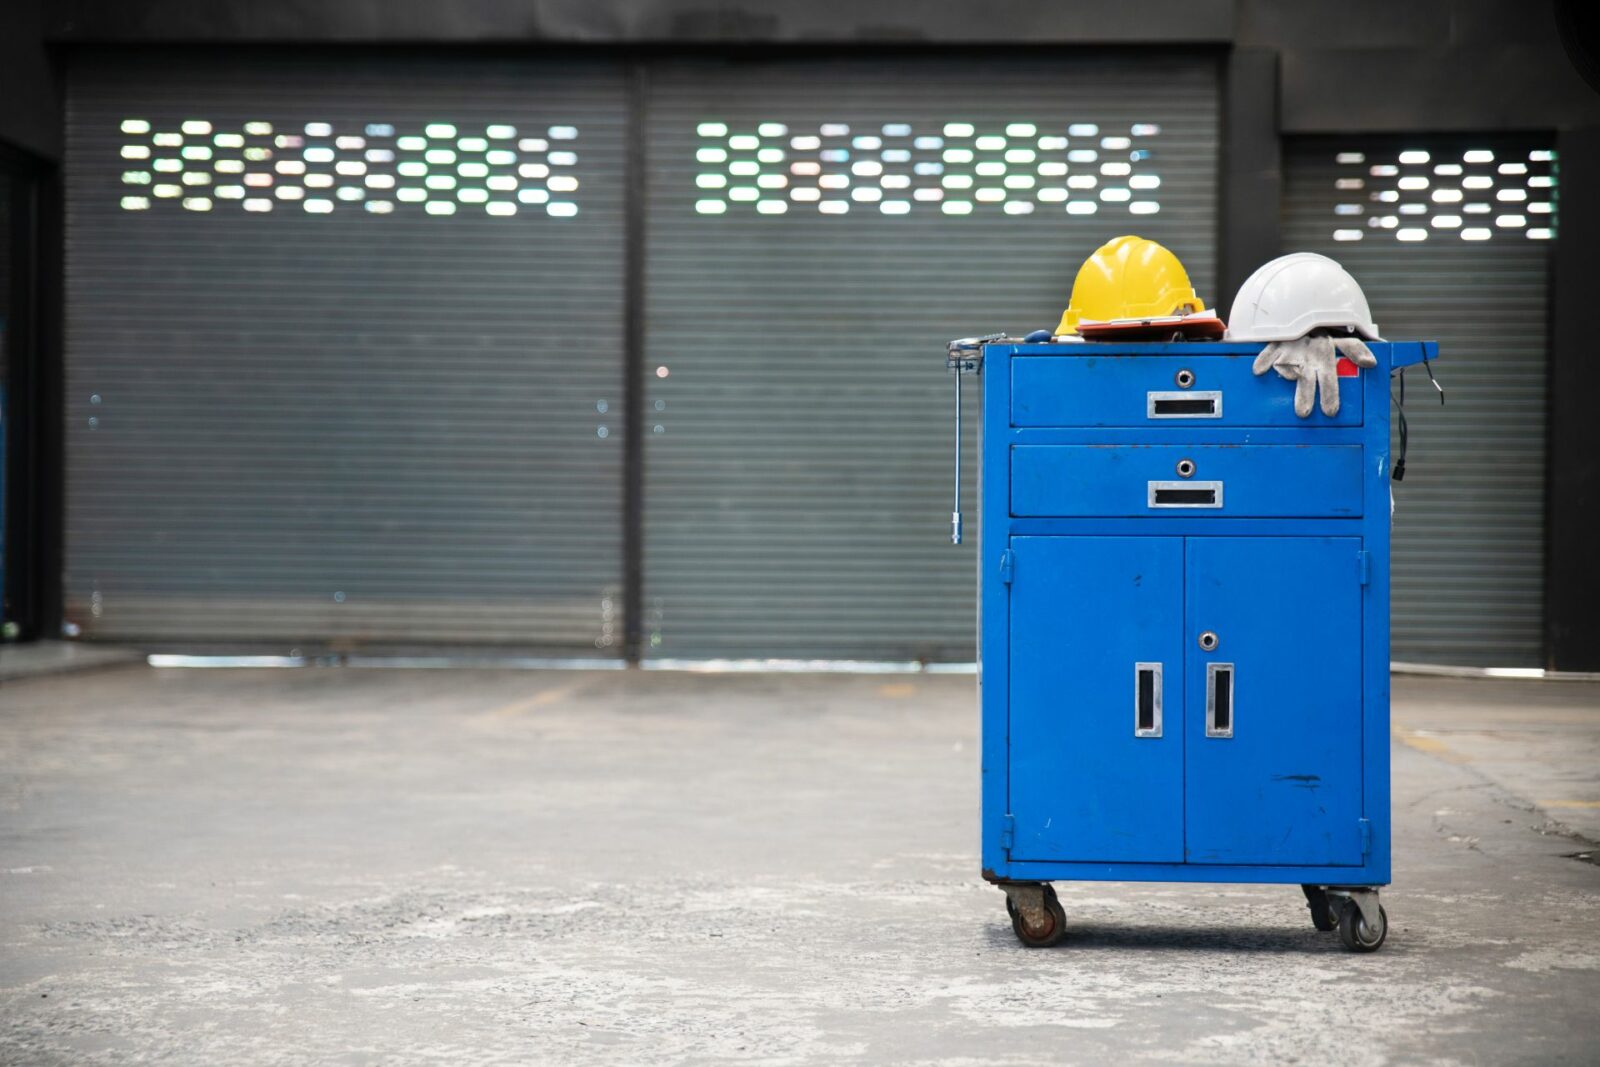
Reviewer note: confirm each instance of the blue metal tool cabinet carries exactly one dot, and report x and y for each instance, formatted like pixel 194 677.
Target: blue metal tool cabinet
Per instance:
pixel 1184 627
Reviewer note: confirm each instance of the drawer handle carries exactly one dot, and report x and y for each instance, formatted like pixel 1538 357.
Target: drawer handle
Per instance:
pixel 1147 700
pixel 1191 405
pixel 1185 494
pixel 1219 700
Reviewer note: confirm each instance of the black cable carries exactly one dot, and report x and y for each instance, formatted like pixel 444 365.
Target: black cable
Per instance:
pixel 1427 366
pixel 1400 409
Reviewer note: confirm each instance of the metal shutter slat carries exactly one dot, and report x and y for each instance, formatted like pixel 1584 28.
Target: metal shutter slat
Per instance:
pixel 1468 551
pixel 797 491
pixel 352 429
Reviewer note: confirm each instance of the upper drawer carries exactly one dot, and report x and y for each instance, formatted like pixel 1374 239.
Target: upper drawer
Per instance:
pixel 1245 481
pixel 1122 390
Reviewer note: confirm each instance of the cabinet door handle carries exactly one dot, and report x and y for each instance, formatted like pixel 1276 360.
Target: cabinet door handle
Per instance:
pixel 1219 700
pixel 1147 700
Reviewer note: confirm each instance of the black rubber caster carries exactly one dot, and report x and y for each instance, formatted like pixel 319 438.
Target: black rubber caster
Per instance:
pixel 1324 916
pixel 1356 934
pixel 1054 929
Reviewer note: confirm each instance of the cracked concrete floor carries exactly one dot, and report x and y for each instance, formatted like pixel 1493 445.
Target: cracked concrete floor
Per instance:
pixel 351 867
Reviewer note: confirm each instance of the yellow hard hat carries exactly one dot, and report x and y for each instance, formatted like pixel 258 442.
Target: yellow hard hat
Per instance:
pixel 1129 278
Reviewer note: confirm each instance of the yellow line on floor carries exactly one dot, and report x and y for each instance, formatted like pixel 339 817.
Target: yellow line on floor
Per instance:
pixel 538 700
pixel 1429 744
pixel 1590 804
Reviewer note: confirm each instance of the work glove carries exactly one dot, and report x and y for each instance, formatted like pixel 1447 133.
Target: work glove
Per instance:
pixel 1312 363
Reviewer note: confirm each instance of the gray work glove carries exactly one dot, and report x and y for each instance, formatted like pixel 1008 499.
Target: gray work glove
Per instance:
pixel 1312 363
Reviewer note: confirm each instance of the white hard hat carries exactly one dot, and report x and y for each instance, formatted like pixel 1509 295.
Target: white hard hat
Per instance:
pixel 1295 294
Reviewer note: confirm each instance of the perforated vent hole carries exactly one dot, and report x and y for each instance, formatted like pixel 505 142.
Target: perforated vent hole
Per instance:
pixel 1447 195
pixel 1015 168
pixel 444 166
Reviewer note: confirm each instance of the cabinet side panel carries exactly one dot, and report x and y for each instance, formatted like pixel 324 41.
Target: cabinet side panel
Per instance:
pixel 994 604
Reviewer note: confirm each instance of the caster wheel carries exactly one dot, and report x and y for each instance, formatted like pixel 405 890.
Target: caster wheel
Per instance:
pixel 1053 930
pixel 1323 915
pixel 1356 934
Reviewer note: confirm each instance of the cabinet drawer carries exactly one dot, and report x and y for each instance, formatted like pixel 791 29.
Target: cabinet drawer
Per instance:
pixel 1256 481
pixel 1122 390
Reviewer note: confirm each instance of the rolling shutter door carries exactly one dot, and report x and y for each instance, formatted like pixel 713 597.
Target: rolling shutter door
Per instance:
pixel 1450 241
pixel 818 230
pixel 344 350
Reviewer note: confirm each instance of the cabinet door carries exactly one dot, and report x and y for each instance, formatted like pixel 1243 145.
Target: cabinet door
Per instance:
pixel 1273 761
pixel 1096 753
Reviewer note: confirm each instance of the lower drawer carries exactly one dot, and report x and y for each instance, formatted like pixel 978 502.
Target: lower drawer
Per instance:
pixel 1256 481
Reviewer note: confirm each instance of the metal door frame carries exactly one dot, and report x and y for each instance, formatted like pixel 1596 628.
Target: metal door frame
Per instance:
pixel 32 480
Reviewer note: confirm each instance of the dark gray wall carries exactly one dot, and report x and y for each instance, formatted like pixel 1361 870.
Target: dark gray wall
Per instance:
pixel 674 21
pixel 1377 65
pixel 1572 575
pixel 1346 65
pixel 1252 168
pixel 30 107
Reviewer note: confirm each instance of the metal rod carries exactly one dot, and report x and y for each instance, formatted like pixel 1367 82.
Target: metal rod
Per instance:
pixel 955 516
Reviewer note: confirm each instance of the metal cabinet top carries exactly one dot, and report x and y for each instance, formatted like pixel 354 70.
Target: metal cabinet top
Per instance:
pixel 1195 384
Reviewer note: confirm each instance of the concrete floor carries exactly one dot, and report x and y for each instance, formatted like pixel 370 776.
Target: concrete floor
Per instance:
pixel 351 867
